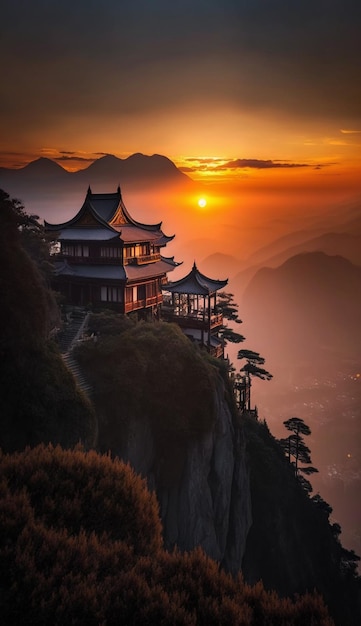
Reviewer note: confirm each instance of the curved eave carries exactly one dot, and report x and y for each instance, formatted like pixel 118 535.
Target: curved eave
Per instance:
pixel 164 239
pixel 87 234
pixel 151 227
pixel 196 283
pixel 90 272
pixel 187 285
pixel 130 233
pixel 87 206
pixel 137 273
pixel 171 261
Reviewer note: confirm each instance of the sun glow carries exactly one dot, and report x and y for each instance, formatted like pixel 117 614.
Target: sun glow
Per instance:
pixel 202 202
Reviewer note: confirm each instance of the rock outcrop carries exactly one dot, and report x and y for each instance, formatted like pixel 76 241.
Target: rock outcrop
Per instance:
pixel 202 484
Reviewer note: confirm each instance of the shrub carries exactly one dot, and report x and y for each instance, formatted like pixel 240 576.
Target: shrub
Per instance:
pixel 80 543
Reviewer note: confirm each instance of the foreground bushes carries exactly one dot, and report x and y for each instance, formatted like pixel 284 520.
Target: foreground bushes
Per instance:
pixel 80 543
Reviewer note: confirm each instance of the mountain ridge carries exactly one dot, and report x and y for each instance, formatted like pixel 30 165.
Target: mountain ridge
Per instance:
pixel 159 165
pixel 44 186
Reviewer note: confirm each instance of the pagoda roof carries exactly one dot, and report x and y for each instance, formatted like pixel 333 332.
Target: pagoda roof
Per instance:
pixel 196 283
pixel 104 215
pixel 108 208
pixel 116 272
pixel 137 272
pixel 134 234
pixel 86 234
pixel 106 272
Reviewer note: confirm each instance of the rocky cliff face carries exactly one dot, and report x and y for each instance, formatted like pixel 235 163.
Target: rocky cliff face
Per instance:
pixel 202 484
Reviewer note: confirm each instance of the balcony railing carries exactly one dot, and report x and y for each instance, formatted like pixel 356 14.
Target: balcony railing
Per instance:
pixel 87 260
pixel 105 260
pixel 216 351
pixel 194 319
pixel 142 304
pixel 142 260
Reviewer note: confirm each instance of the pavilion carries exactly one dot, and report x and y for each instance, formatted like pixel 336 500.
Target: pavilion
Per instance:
pixel 191 302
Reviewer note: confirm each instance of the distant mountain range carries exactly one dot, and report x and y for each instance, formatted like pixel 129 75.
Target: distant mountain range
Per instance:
pixel 135 172
pixel 308 309
pixel 343 240
pixel 137 165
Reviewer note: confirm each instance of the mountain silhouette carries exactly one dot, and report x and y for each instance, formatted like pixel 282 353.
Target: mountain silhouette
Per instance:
pixel 308 309
pixel 155 168
pixel 44 182
pixel 346 243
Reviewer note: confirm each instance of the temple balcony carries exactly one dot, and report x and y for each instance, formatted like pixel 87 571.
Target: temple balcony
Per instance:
pixel 193 319
pixel 216 351
pixel 88 260
pixel 142 304
pixel 142 260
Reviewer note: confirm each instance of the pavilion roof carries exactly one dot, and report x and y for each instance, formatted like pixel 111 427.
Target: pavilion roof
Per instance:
pixel 104 213
pixel 196 283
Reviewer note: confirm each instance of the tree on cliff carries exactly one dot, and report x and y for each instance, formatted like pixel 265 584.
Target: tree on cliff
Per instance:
pixel 229 310
pixel 297 451
pixel 252 367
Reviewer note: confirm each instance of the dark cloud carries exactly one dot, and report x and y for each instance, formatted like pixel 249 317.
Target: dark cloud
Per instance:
pixel 205 160
pixel 258 164
pixel 115 58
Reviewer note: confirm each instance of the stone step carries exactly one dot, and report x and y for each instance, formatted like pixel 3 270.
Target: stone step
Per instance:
pixel 66 341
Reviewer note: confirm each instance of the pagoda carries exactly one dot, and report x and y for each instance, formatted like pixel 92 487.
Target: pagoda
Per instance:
pixel 105 258
pixel 191 302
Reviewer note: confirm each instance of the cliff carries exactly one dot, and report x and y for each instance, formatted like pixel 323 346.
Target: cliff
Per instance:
pixel 166 409
pixel 292 546
pixel 221 480
pixel 202 485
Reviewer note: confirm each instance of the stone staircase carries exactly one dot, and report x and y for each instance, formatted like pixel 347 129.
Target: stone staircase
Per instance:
pixel 72 330
pixel 67 338
pixel 74 367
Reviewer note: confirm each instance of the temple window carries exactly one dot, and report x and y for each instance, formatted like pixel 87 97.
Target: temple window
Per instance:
pixel 111 252
pixel 136 251
pixel 75 250
pixel 111 294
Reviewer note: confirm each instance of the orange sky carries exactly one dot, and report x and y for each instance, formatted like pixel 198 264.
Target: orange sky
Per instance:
pixel 260 96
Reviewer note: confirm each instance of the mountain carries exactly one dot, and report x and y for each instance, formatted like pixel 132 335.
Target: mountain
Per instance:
pixel 220 265
pixel 306 309
pixel 44 183
pixel 137 169
pixel 345 242
pixel 42 168
pixel 152 168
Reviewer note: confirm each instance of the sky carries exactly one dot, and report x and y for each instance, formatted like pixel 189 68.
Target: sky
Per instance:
pixel 257 92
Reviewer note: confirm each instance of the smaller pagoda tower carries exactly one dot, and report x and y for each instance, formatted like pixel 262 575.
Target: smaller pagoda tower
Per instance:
pixel 191 302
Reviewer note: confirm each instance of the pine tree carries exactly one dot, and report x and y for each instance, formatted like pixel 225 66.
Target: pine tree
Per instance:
pixel 297 451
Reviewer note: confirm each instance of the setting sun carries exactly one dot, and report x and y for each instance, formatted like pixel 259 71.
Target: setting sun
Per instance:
pixel 202 202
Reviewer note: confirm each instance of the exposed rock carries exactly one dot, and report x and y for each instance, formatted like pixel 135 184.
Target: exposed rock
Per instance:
pixel 202 485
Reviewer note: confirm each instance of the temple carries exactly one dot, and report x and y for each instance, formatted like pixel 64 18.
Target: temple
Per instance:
pixel 103 257
pixel 191 302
